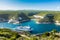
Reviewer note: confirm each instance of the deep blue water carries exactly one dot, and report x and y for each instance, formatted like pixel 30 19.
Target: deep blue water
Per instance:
pixel 37 28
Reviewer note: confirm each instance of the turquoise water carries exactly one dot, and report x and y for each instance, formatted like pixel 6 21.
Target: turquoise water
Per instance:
pixel 37 28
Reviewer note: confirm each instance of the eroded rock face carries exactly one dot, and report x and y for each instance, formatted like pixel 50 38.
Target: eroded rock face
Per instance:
pixel 49 18
pixel 4 17
pixel 23 17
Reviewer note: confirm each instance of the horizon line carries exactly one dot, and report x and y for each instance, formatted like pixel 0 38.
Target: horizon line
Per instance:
pixel 27 10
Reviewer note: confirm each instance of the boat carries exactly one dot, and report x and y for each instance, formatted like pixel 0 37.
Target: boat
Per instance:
pixel 24 28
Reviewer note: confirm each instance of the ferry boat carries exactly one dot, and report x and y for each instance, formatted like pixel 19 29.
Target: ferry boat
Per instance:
pixel 24 28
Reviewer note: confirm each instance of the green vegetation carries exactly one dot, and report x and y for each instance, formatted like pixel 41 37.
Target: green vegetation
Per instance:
pixel 7 34
pixel 55 13
pixel 30 13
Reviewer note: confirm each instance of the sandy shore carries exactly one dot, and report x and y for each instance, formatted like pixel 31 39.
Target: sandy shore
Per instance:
pixel 57 23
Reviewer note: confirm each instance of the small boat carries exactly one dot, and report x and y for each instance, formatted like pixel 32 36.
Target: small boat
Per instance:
pixel 24 28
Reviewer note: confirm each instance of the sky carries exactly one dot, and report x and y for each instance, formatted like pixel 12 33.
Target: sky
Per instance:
pixel 30 5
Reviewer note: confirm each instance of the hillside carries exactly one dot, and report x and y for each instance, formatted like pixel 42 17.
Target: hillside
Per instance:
pixel 7 34
pixel 30 13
